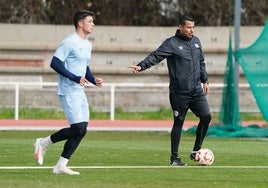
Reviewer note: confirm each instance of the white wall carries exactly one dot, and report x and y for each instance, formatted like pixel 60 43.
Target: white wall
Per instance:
pixel 113 47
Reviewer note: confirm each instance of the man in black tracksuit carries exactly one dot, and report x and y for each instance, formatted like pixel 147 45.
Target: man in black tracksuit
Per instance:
pixel 188 83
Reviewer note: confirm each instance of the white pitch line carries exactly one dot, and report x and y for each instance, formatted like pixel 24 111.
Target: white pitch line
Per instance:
pixel 130 167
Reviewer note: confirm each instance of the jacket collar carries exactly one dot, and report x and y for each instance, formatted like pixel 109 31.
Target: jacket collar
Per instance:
pixel 177 34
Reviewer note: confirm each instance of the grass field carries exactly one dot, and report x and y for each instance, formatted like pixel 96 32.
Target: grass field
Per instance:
pixel 133 159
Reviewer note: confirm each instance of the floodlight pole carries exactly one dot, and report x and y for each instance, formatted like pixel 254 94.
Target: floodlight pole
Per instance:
pixel 237 13
pixel 237 18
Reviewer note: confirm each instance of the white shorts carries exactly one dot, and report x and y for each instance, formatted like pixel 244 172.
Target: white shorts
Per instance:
pixel 75 107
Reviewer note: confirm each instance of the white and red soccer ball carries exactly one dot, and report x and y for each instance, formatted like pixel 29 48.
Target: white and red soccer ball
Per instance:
pixel 204 156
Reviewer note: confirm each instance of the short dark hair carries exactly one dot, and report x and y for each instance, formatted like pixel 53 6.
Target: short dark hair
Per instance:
pixel 81 14
pixel 184 18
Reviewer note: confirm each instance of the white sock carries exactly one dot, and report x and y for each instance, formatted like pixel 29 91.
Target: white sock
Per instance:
pixel 45 142
pixel 61 167
pixel 62 161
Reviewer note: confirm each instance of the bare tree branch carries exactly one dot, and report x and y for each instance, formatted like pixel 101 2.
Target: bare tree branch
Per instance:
pixel 133 12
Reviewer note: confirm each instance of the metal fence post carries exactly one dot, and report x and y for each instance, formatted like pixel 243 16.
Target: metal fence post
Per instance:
pixel 112 88
pixel 17 101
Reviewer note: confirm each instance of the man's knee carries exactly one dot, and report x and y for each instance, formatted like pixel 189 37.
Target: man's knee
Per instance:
pixel 80 129
pixel 205 118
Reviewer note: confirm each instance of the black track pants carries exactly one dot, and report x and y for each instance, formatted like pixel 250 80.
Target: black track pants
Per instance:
pixel 180 104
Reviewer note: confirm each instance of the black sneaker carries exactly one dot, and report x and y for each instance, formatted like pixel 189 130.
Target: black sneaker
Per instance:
pixel 192 155
pixel 176 162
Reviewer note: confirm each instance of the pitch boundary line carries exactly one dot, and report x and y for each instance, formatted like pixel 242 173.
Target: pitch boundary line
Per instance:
pixel 131 167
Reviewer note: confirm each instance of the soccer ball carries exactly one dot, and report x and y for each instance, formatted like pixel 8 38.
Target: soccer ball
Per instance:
pixel 204 157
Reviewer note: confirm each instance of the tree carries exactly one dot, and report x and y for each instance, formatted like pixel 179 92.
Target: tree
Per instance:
pixel 133 12
pixel 23 11
pixel 62 11
pixel 127 12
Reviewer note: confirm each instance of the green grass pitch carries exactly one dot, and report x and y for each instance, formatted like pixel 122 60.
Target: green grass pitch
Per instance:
pixel 133 159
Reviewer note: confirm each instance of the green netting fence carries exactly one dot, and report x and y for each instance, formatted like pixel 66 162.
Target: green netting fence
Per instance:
pixel 254 63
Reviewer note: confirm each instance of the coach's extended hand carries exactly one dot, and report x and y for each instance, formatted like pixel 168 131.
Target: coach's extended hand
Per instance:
pixel 135 69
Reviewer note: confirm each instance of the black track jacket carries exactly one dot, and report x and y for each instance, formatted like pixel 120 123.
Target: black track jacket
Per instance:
pixel 185 61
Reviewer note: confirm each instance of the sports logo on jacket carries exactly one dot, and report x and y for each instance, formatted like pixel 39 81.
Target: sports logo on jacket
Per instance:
pixel 196 45
pixel 180 47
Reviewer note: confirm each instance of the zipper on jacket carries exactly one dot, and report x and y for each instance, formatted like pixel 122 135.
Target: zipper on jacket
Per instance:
pixel 194 66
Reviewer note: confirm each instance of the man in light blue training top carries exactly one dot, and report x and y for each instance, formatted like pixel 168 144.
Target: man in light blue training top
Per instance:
pixel 71 62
